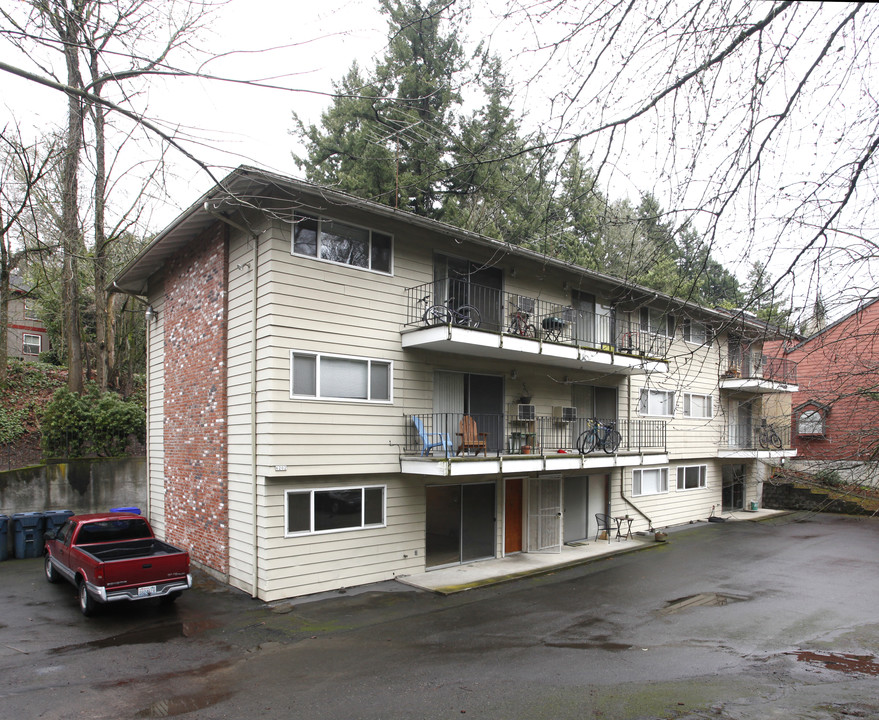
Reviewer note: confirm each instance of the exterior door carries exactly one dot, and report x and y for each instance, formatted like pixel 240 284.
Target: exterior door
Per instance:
pixel 459 523
pixel 545 514
pixel 485 403
pixel 576 509
pixel 584 327
pixel 513 516
pixel 733 493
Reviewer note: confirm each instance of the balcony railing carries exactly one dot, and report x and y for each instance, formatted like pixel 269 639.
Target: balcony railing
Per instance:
pixel 747 436
pixel 457 302
pixel 542 435
pixel 756 366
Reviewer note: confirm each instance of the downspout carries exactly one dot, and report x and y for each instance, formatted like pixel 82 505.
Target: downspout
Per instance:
pixel 254 297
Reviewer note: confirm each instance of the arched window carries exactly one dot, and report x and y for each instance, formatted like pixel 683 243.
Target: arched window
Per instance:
pixel 811 422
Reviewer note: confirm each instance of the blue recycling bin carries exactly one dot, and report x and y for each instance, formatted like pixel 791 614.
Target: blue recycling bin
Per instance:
pixel 4 538
pixel 28 529
pixel 54 519
pixel 134 510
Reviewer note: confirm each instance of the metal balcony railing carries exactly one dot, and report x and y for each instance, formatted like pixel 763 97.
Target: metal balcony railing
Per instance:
pixel 756 366
pixel 457 302
pixel 543 435
pixel 747 436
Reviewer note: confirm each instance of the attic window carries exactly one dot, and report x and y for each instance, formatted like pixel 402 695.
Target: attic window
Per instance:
pixel 341 243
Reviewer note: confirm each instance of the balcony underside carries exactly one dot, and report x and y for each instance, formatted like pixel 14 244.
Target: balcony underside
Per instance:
pixel 755 453
pixel 499 346
pixel 439 466
pixel 756 386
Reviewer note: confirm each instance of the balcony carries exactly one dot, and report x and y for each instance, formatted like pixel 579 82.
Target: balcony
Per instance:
pixel 533 444
pixel 765 440
pixel 457 317
pixel 757 373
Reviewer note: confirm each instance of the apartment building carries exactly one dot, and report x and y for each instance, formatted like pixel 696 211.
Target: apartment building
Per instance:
pixel 342 393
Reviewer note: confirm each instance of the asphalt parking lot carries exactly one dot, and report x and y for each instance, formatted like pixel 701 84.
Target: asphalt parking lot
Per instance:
pixel 730 620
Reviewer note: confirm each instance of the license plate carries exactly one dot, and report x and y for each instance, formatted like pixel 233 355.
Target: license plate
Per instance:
pixel 146 591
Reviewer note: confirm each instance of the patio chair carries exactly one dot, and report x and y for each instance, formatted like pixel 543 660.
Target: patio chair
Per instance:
pixel 445 441
pixel 471 438
pixel 606 525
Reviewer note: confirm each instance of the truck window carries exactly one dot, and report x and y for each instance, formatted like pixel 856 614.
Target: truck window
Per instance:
pixel 113 531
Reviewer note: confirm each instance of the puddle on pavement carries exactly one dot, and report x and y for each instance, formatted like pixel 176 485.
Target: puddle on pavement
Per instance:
pixel 161 633
pixel 700 600
pixel 862 664
pixel 590 645
pixel 171 707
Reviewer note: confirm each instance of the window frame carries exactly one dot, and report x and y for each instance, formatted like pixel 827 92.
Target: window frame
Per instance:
pixel 30 312
pixel 687 325
pixel 644 407
pixel 39 339
pixel 369 362
pixel 288 533
pixel 701 480
pixel 665 323
pixel 688 405
pixel 822 423
pixel 662 481
pixel 320 220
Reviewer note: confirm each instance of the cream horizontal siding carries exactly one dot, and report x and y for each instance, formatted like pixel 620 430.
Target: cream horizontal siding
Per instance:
pixel 156 416
pixel 315 563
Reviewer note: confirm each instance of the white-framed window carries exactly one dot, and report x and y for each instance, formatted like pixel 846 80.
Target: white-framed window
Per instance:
pixel 30 309
pixel 692 477
pixel 658 322
pixel 319 510
pixel 649 481
pixel 810 422
pixel 657 402
pixel 342 243
pixel 31 344
pixel 695 331
pixel 698 406
pixel 339 377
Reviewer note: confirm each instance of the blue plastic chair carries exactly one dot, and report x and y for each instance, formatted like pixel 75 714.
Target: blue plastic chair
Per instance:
pixel 445 441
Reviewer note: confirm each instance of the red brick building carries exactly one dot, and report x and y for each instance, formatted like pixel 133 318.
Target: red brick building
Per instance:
pixel 835 413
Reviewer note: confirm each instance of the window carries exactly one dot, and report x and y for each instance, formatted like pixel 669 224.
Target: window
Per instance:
pixel 650 482
pixel 656 321
pixel 341 243
pixel 334 510
pixel 31 344
pixel 695 332
pixel 30 310
pixel 691 477
pixel 334 377
pixel 698 406
pixel 657 402
pixel 811 422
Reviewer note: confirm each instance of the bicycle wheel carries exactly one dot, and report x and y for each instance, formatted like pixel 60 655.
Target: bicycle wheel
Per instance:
pixel 437 315
pixel 468 316
pixel 530 331
pixel 774 439
pixel 763 439
pixel 612 441
pixel 586 442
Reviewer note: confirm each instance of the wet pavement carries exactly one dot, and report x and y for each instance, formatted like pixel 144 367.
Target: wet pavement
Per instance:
pixel 737 621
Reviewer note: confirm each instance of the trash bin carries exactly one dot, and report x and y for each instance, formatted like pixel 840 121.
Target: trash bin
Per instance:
pixel 54 519
pixel 4 539
pixel 134 510
pixel 28 528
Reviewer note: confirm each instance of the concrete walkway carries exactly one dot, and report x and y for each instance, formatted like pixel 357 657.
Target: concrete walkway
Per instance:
pixel 457 578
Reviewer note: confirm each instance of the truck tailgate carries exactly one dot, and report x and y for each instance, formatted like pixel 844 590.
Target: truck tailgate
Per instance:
pixel 145 570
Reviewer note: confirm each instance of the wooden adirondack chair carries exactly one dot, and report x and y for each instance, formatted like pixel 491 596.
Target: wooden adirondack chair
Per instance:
pixel 470 437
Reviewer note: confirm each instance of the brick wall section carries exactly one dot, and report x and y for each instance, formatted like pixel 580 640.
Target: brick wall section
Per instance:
pixel 195 326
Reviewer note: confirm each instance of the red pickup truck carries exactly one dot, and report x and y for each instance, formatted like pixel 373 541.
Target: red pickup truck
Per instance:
pixel 115 556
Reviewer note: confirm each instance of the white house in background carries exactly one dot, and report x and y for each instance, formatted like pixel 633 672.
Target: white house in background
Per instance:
pixel 342 393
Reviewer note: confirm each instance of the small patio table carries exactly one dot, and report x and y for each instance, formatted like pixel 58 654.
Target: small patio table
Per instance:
pixel 625 535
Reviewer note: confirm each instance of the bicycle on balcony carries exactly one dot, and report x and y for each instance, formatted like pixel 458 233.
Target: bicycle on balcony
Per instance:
pixel 519 324
pixel 767 436
pixel 599 435
pixel 450 313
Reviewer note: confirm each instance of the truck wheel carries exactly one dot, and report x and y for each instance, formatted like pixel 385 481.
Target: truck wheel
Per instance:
pixel 168 600
pixel 51 574
pixel 86 603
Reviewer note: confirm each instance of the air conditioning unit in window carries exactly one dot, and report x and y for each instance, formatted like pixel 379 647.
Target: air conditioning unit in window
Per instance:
pixel 564 414
pixel 526 412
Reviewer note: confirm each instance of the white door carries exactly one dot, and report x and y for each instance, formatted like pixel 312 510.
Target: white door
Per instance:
pixel 545 515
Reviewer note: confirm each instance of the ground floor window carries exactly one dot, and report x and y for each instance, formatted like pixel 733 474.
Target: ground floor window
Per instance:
pixel 649 481
pixel 335 509
pixel 691 477
pixel 31 344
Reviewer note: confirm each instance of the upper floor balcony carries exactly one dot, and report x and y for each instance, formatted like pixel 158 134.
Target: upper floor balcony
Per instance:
pixel 479 444
pixel 753 372
pixel 459 317
pixel 763 440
